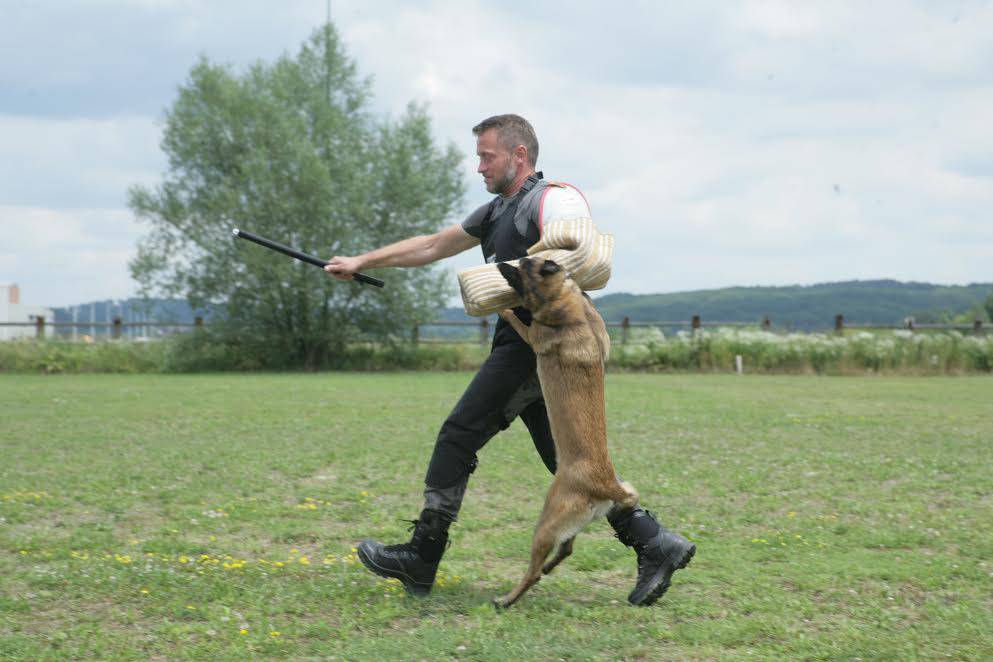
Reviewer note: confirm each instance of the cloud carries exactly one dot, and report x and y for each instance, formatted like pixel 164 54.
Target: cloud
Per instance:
pixel 722 143
pixel 55 163
pixel 62 257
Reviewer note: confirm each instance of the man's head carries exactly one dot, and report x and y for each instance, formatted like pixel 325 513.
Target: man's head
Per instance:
pixel 508 150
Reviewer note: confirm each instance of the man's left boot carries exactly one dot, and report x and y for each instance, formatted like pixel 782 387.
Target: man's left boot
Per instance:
pixel 414 563
pixel 660 552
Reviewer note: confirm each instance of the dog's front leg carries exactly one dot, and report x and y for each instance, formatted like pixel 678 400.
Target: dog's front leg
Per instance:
pixel 522 330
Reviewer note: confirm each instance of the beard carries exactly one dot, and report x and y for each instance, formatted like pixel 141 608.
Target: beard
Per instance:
pixel 505 181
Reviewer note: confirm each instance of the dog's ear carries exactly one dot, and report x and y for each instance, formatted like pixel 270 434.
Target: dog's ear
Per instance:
pixel 549 268
pixel 513 277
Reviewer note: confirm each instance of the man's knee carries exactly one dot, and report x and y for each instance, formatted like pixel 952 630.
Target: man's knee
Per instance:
pixel 451 463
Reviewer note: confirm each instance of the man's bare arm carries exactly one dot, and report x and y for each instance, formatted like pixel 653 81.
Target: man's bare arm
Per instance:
pixel 412 252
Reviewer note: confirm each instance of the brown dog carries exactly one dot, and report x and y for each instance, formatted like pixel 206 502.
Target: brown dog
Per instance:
pixel 571 342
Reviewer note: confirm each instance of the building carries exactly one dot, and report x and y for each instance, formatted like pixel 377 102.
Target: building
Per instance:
pixel 12 310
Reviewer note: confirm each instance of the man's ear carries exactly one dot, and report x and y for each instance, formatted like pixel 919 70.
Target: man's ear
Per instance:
pixel 521 152
pixel 549 268
pixel 513 277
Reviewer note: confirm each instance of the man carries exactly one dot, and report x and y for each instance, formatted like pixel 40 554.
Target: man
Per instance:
pixel 506 386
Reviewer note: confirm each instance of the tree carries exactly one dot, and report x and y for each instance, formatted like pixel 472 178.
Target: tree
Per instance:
pixel 290 150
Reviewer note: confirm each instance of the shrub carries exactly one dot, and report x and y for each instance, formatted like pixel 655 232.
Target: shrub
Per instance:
pixel 706 350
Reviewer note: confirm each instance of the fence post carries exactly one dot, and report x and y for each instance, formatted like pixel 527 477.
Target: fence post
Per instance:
pixel 415 333
pixel 977 326
pixel 625 329
pixel 484 331
pixel 695 324
pixel 908 322
pixel 766 323
pixel 39 326
pixel 117 328
pixel 839 323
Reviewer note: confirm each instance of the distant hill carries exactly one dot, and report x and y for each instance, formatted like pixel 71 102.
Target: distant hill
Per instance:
pixel 802 307
pixel 805 307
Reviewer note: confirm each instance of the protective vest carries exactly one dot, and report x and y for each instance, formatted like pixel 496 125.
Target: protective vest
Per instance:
pixel 501 239
pixel 506 235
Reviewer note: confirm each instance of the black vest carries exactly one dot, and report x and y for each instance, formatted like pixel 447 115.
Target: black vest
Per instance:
pixel 501 240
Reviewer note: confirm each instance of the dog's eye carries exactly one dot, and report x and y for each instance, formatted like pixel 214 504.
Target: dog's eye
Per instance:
pixel 549 268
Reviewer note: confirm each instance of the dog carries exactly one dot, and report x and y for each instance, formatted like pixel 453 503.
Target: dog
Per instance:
pixel 571 343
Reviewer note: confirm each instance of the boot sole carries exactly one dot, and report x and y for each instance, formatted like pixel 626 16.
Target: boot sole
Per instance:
pixel 412 587
pixel 663 580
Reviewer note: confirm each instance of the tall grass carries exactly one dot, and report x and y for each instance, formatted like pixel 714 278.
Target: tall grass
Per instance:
pixel 858 352
pixel 899 351
pixel 197 352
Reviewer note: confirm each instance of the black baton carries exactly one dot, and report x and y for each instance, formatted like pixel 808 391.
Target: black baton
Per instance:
pixel 303 257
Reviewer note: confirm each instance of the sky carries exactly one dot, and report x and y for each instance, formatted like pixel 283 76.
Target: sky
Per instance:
pixel 721 143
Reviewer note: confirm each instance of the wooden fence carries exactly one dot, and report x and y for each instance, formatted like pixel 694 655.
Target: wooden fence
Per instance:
pixel 115 328
pixel 483 327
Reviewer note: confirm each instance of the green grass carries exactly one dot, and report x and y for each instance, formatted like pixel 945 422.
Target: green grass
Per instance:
pixel 146 516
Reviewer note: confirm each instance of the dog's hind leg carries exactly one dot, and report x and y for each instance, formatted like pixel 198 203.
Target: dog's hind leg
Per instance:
pixel 561 554
pixel 563 517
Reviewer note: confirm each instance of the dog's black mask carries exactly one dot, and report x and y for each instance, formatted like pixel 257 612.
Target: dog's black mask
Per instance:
pixel 512 276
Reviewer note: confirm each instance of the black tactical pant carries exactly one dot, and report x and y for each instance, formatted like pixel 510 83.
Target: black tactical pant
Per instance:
pixel 505 387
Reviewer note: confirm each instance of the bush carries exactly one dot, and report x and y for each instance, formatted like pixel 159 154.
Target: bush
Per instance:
pixel 202 351
pixel 859 352
pixel 55 356
pixel 901 352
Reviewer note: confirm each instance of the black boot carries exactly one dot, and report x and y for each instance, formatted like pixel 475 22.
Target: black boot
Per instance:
pixel 414 563
pixel 660 552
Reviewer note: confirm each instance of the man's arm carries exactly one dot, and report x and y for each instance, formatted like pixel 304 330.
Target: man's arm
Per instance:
pixel 412 252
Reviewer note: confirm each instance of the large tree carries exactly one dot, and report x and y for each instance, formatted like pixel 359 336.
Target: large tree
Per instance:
pixel 290 150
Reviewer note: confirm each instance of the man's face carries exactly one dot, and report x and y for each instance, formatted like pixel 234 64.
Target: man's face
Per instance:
pixel 497 164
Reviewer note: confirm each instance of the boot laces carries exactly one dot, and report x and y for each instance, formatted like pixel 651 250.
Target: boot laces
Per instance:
pixel 406 546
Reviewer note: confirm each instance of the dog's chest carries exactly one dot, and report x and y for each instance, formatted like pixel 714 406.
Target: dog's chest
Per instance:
pixel 567 349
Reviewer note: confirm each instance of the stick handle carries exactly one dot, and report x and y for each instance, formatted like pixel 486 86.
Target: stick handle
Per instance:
pixel 303 257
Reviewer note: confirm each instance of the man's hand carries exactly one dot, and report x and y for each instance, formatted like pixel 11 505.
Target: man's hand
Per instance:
pixel 344 268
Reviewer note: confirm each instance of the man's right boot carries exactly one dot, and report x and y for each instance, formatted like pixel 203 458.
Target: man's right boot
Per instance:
pixel 660 552
pixel 414 563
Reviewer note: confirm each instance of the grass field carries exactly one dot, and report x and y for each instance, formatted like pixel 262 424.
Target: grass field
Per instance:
pixel 214 517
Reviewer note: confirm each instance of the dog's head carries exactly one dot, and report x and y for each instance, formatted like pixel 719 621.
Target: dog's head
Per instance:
pixel 538 281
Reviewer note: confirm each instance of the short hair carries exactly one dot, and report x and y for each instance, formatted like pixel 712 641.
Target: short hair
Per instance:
pixel 512 130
